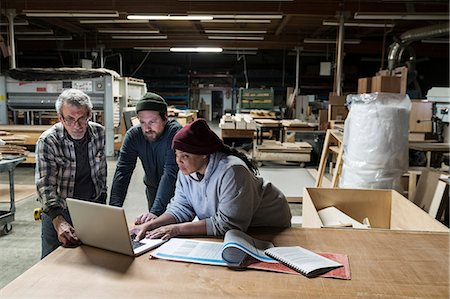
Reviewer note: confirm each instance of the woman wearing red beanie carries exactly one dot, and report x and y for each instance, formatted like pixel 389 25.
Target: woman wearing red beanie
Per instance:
pixel 220 186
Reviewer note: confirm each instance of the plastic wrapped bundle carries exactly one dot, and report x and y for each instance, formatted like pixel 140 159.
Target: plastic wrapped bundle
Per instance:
pixel 376 141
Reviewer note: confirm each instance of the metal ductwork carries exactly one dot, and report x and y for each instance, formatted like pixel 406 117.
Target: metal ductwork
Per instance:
pixel 410 36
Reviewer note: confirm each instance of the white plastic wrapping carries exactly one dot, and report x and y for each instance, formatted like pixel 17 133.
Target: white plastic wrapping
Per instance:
pixel 376 141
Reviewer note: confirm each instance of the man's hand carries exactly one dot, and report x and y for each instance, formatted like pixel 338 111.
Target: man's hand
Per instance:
pixel 65 232
pixel 145 217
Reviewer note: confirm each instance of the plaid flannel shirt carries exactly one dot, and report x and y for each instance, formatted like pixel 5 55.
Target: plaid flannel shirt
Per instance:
pixel 56 166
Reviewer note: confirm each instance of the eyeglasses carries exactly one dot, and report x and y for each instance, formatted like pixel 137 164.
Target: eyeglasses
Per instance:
pixel 71 122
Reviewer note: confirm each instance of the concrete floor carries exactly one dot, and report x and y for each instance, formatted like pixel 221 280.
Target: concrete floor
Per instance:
pixel 20 249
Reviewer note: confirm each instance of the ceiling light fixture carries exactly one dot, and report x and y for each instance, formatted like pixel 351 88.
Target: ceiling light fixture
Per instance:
pixel 330 41
pixel 139 36
pixel 44 38
pixel 128 31
pixel 236 31
pixel 72 13
pixel 197 49
pixel 260 17
pixel 169 17
pixel 236 37
pixel 236 21
pixel 113 21
pixel 400 16
pixel 34 32
pixel 358 24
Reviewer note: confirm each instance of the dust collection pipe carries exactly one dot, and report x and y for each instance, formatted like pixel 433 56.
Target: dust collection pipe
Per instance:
pixel 11 14
pixel 411 36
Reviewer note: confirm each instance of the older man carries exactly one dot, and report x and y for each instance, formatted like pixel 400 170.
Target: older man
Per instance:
pixel 151 142
pixel 70 162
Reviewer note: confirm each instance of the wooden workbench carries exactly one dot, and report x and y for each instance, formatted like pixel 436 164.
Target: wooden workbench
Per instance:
pixel 384 264
pixel 430 148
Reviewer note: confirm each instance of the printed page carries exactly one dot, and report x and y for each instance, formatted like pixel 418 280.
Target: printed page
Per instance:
pixel 238 245
pixel 187 250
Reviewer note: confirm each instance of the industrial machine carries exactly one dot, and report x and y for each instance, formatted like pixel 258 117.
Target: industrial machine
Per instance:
pixel 440 96
pixel 32 93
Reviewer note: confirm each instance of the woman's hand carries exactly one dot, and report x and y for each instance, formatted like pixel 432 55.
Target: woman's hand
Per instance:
pixel 139 231
pixel 164 232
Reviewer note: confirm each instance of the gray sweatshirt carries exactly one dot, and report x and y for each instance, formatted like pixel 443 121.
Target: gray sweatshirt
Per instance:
pixel 229 196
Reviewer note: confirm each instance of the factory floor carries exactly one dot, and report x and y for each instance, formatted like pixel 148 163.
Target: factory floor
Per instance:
pixel 20 249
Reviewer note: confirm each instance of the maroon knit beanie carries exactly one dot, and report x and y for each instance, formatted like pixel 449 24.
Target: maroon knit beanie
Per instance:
pixel 197 138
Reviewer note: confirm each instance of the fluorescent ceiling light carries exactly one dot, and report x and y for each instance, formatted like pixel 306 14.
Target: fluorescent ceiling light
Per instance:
pixel 128 31
pixel 436 41
pixel 170 17
pixel 260 17
pixel 16 23
pixel 400 16
pixel 357 24
pixel 197 50
pixel 139 36
pixel 113 21
pixel 34 32
pixel 330 41
pixel 236 37
pixel 72 13
pixel 236 31
pixel 44 38
pixel 236 21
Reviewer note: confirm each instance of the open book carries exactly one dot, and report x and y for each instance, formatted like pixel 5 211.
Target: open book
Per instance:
pixel 241 250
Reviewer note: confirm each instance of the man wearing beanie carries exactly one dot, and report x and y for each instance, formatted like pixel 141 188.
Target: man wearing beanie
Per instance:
pixel 151 142
pixel 220 186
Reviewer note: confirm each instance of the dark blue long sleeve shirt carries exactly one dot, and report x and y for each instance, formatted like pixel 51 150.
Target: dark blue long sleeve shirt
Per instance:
pixel 158 161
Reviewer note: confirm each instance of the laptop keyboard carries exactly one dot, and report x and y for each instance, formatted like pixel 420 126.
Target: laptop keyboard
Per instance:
pixel 135 243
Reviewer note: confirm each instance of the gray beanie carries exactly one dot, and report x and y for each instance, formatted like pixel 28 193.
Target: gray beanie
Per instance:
pixel 151 101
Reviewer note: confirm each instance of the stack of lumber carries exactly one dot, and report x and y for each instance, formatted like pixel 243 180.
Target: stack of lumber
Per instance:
pixel 286 147
pixel 15 150
pixel 11 138
pixel 262 114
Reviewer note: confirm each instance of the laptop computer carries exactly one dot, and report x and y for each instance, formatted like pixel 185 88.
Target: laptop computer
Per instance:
pixel 106 227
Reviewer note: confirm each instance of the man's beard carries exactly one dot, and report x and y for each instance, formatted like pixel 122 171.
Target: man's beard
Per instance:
pixel 153 136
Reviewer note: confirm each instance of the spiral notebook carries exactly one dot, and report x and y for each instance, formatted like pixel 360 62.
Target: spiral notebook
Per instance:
pixel 302 260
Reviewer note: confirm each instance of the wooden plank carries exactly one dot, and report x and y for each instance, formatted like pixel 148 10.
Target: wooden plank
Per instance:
pixel 430 191
pixel 234 133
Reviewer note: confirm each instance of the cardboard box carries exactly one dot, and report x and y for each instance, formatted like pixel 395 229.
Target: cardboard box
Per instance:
pixel 385 209
pixel 420 116
pixel 336 100
pixel 364 85
pixel 386 84
pixel 337 112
